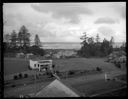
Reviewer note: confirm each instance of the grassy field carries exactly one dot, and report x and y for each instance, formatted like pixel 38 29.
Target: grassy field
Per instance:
pixel 14 65
pixel 83 63
pixel 97 87
pixel 87 88
pixel 117 93
pixel 122 77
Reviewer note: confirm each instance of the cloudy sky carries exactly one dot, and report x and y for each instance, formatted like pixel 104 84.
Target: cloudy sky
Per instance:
pixel 66 22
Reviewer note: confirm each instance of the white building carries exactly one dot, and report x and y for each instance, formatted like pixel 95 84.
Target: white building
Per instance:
pixel 64 53
pixel 41 64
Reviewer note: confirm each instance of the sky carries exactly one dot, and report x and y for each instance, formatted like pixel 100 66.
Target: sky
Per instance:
pixel 66 22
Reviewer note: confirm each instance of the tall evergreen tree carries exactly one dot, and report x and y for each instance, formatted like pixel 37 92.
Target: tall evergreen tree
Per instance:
pixel 105 47
pixel 7 38
pixel 123 46
pixel 84 38
pixel 24 37
pixel 13 39
pixel 84 49
pixel 97 38
pixel 37 41
pixel 112 41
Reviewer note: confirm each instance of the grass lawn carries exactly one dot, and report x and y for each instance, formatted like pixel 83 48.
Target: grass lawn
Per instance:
pixel 122 77
pixel 14 65
pixel 97 87
pixel 120 93
pixel 87 88
pixel 83 63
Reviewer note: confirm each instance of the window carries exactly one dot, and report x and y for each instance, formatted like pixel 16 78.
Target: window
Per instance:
pixel 38 65
pixel 35 65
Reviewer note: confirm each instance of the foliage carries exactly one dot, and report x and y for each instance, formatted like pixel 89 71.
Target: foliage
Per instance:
pixel 15 77
pixel 91 48
pixel 13 38
pixel 25 75
pixel 123 46
pixel 37 41
pixel 20 75
pixel 71 72
pixel 98 69
pixel 24 37
pixel 36 50
pixel 20 42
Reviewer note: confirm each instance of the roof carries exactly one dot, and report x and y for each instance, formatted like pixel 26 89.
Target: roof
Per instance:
pixel 57 89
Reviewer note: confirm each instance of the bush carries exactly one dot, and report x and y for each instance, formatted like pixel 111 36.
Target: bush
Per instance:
pixel 13 85
pixel 57 72
pixel 39 74
pixel 15 77
pixel 98 69
pixel 20 75
pixel 71 72
pixel 29 67
pixel 25 75
pixel 118 65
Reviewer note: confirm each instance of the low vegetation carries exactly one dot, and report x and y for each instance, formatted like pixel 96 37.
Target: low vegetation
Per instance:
pixel 15 65
pixel 20 76
pixel 20 42
pixel 93 47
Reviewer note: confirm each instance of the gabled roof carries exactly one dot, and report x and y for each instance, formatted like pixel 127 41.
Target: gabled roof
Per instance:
pixel 57 89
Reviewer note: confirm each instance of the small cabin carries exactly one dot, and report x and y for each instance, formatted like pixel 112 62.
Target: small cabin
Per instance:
pixel 40 64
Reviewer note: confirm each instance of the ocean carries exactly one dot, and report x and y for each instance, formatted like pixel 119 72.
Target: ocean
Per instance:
pixel 68 45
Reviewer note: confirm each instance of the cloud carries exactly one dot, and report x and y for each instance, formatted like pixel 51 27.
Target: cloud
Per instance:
pixel 57 21
pixel 122 11
pixel 120 8
pixel 106 31
pixel 68 11
pixel 13 19
pixel 105 20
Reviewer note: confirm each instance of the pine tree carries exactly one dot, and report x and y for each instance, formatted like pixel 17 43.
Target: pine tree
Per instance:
pixel 97 38
pixel 13 39
pixel 84 49
pixel 112 41
pixel 84 38
pixel 24 37
pixel 37 41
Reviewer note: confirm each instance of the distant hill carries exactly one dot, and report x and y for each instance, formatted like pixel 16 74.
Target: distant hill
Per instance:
pixel 68 45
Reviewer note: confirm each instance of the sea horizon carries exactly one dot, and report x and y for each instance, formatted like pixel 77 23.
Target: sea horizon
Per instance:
pixel 68 45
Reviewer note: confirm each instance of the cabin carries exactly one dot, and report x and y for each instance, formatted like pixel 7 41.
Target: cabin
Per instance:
pixel 40 64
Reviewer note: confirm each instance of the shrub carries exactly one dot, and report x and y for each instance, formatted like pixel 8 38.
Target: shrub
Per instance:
pixel 20 75
pixel 71 72
pixel 25 75
pixel 29 67
pixel 15 77
pixel 118 65
pixel 39 74
pixel 98 69
pixel 13 85
pixel 57 72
